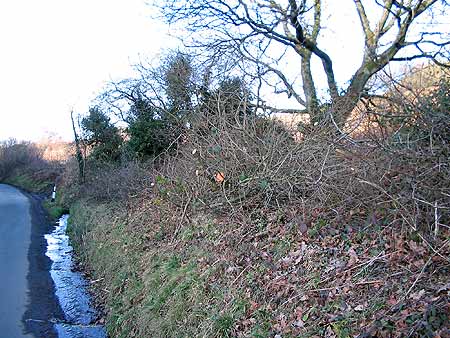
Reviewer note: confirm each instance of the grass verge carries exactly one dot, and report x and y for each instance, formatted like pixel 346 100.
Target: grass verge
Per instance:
pixel 29 183
pixel 216 277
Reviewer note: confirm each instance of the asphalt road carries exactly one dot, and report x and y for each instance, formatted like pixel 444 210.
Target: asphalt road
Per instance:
pixel 15 234
pixel 28 304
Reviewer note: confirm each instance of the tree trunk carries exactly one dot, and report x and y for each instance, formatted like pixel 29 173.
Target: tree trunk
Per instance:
pixel 312 104
pixel 342 108
pixel 80 159
pixel 343 105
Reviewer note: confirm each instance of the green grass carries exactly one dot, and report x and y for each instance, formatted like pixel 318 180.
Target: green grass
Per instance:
pixel 223 325
pixel 54 209
pixel 151 292
pixel 27 182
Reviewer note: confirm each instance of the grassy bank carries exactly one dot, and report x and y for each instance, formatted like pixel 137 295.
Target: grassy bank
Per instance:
pixel 246 228
pixel 27 182
pixel 25 165
pixel 37 185
pixel 218 278
pixel 150 289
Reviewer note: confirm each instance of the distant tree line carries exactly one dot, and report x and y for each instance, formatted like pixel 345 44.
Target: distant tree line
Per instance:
pixel 15 155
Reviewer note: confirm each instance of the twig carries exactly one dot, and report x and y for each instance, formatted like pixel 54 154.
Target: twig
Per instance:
pixel 226 197
pixel 436 220
pixel 182 216
pixel 433 249
pixel 323 165
pixel 392 198
pixel 423 269
pixel 370 261
pixel 97 280
pixel 377 281
pixel 359 265
pixel 418 277
pixel 240 274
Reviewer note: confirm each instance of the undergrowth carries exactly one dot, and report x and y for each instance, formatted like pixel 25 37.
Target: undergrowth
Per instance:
pixel 247 229
pixel 218 279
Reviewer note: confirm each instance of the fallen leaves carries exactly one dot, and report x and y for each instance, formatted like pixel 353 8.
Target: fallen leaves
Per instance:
pixel 417 295
pixel 350 281
pixel 353 257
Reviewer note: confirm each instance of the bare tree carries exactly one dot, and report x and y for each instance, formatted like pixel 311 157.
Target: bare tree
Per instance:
pixel 166 88
pixel 264 32
pixel 80 157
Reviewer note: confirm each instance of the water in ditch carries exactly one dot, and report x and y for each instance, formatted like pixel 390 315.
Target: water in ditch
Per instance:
pixel 71 288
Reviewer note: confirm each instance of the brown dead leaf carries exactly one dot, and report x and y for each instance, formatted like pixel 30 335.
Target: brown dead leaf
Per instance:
pixel 418 263
pixel 298 313
pixel 253 306
pixel 353 257
pixel 219 177
pixel 417 295
pixel 417 248
pixel 359 308
pixel 303 228
pixel 392 301
pixel 329 333
pixel 401 324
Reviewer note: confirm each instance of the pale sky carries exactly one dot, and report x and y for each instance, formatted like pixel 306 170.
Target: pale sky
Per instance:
pixel 56 55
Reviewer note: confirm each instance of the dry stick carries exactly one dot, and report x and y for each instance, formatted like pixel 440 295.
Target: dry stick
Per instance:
pixel 436 208
pixel 377 281
pixel 226 197
pixel 97 280
pixel 182 217
pixel 418 277
pixel 433 249
pixel 423 269
pixel 168 147
pixel 323 165
pixel 240 274
pixel 357 266
pixel 393 199
pixel 215 262
pixel 436 220
pixel 370 261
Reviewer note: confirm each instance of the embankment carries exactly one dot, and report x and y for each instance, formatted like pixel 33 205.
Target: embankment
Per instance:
pixel 216 277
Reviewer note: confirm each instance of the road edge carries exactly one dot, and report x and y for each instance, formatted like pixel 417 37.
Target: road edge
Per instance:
pixel 43 308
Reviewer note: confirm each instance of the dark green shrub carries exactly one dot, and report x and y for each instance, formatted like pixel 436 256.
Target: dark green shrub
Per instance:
pixel 101 135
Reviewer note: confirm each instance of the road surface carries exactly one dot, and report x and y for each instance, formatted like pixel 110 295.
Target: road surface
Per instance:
pixel 15 234
pixel 28 304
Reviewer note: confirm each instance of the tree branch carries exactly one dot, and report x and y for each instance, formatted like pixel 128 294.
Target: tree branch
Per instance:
pixel 369 35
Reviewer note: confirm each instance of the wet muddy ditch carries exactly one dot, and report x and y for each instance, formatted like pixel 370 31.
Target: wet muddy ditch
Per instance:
pixel 71 288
